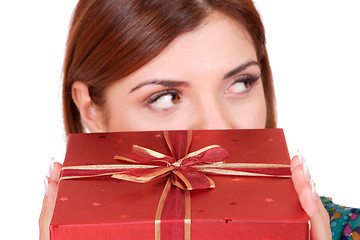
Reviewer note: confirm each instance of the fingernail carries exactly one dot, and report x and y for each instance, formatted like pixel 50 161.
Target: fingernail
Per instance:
pixel 46 183
pixel 313 189
pixel 51 167
pixel 300 156
pixel 306 171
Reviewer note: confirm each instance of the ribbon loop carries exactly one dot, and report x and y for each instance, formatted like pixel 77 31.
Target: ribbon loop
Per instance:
pixel 185 176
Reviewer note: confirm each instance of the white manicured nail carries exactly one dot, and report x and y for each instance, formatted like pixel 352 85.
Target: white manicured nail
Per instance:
pixel 51 168
pixel 313 189
pixel 300 156
pixel 46 183
pixel 306 171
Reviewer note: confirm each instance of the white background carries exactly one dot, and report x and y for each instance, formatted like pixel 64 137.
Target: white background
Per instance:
pixel 314 49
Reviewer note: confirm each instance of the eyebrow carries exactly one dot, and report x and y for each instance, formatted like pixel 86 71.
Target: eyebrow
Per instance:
pixel 165 83
pixel 240 68
pixel 173 83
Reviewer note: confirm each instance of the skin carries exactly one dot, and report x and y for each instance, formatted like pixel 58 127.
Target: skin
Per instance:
pixel 205 97
pixel 193 84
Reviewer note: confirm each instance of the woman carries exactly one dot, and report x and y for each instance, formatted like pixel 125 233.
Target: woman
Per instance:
pixel 151 65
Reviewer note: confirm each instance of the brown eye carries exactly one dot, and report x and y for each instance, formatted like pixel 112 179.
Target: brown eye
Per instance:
pixel 241 85
pixel 164 100
pixel 238 87
pixel 175 99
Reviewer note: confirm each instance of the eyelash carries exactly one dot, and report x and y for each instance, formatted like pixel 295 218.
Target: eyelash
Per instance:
pixel 153 98
pixel 246 79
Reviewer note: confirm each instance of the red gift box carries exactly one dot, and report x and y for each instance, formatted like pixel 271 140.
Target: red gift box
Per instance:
pixel 239 207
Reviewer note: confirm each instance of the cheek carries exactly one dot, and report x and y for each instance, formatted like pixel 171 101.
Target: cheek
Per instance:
pixel 125 119
pixel 133 118
pixel 120 115
pixel 252 117
pixel 252 113
pixel 260 110
pixel 262 113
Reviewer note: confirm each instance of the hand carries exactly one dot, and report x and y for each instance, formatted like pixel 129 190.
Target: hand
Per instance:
pixel 51 188
pixel 310 201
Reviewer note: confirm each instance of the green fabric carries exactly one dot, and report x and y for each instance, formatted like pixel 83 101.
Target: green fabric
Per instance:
pixel 344 221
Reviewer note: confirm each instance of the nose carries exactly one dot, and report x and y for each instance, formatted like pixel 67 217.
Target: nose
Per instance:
pixel 211 115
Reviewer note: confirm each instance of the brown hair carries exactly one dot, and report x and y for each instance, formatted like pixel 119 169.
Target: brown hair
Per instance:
pixel 110 39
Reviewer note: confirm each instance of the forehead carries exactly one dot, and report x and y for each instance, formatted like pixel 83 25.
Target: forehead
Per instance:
pixel 219 44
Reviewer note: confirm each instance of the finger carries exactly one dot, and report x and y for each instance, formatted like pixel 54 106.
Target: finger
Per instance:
pixel 310 201
pixel 300 176
pixel 296 161
pixel 47 208
pixel 54 170
pixel 312 205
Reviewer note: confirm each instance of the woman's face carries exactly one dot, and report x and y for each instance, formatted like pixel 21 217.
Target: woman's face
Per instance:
pixel 208 78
